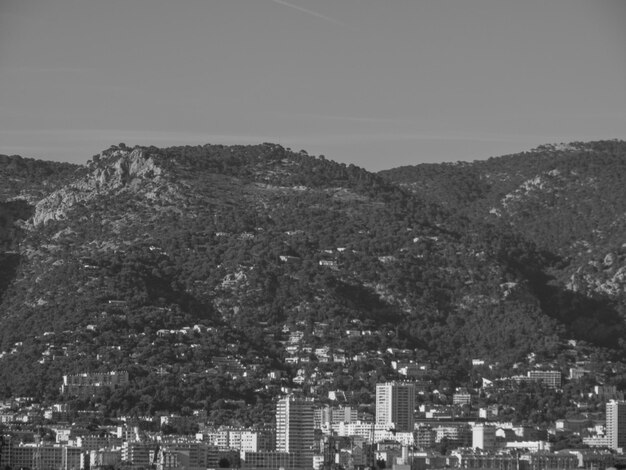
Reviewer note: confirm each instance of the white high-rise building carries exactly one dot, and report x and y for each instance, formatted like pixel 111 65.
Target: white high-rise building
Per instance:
pixel 395 405
pixel 483 437
pixel 295 430
pixel 616 424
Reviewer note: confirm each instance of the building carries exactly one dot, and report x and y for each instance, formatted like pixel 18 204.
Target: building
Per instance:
pixel 257 441
pixel 267 459
pixel 484 437
pixel 425 436
pixel 530 446
pixel 96 441
pixel 548 460
pixel 457 434
pixel 607 392
pixel 576 373
pixel 594 458
pixel 188 456
pixel 33 456
pixel 395 406
pixel 461 398
pixel 71 458
pixel 616 424
pixel 331 415
pixel 489 412
pixel 295 430
pixel 364 429
pixel 105 458
pixel 486 460
pixel 596 441
pixel 88 384
pixel 550 378
pixel 128 433
pixel 139 454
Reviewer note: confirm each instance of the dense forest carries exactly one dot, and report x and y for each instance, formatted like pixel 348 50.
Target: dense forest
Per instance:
pixel 164 261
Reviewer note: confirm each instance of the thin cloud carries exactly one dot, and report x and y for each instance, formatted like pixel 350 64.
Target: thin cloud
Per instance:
pixel 309 12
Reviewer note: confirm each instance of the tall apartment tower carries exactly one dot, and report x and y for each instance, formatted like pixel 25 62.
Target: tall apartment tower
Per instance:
pixel 295 430
pixel 395 405
pixel 616 424
pixel 484 437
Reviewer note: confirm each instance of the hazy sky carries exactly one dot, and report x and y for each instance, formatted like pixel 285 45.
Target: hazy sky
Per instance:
pixel 377 83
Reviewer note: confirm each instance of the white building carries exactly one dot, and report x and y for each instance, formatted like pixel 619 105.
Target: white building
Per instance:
pixel 295 430
pixel 484 437
pixel 616 424
pixel 550 378
pixel 395 405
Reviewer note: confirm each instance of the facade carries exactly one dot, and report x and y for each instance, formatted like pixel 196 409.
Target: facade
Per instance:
pixel 530 446
pixel 71 458
pixel 95 442
pixel 87 384
pixel 330 415
pixel 486 460
pixel 606 392
pixel 616 424
pixel 576 373
pixel 104 458
pixel 548 460
pixel 594 458
pixel 461 398
pixel 188 456
pixel 459 434
pixel 257 441
pixel 484 437
pixel 550 378
pixel 240 439
pixel 364 429
pixel 295 430
pixel 395 405
pixel 15 455
pixel 267 459
pixel 34 456
pixel 139 454
pixel 425 437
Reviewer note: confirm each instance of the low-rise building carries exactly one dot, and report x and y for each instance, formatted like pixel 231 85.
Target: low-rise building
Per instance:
pixel 88 384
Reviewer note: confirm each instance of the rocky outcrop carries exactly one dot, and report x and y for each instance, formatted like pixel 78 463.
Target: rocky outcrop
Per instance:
pixel 605 277
pixel 111 172
pixel 125 169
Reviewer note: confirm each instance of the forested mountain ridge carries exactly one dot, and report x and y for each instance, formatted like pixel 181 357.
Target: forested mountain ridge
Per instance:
pixel 247 244
pixel 569 199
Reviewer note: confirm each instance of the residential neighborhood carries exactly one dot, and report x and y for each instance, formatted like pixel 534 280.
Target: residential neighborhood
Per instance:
pixel 407 422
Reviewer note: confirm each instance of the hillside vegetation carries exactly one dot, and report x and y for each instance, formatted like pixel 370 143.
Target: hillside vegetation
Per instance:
pixel 164 261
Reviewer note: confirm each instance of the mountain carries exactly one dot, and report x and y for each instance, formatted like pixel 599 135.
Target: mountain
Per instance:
pixel 23 181
pixel 188 265
pixel 568 199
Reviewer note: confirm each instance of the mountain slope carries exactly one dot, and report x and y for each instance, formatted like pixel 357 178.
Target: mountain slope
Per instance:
pixel 159 261
pixel 568 199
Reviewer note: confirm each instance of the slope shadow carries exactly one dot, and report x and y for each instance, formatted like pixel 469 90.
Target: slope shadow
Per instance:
pixel 595 320
pixel 9 263
pixel 592 319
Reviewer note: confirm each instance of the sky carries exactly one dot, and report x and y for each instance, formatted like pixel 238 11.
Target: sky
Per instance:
pixel 376 83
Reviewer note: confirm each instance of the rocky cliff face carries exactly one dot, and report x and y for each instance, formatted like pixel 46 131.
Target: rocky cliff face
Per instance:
pixel 111 172
pixel 606 276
